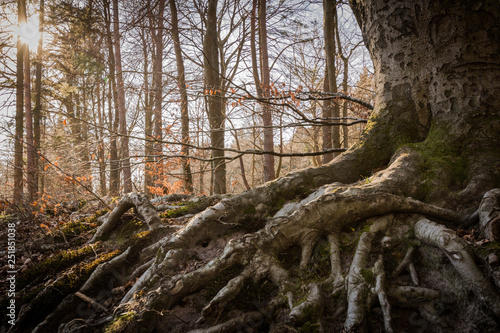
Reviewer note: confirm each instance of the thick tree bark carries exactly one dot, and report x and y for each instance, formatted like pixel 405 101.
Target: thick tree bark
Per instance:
pixel 181 77
pixel 215 105
pixel 122 111
pixel 449 92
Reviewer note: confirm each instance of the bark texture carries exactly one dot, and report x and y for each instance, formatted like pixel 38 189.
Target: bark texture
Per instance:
pixel 215 104
pixel 181 77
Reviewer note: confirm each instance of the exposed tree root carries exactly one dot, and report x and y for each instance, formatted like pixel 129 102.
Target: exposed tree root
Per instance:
pixel 456 251
pixel 357 284
pixel 360 233
pixel 140 203
pixel 489 214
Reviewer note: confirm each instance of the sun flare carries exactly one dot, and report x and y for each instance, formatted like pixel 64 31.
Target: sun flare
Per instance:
pixel 29 33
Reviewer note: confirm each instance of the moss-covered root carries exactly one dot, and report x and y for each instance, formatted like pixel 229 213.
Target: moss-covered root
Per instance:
pixel 359 277
pixel 489 214
pixel 312 305
pixel 104 270
pixel 445 239
pixel 141 204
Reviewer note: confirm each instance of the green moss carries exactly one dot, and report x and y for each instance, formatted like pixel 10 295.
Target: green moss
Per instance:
pixel 75 228
pixel 309 327
pixel 51 296
pixel 296 193
pixel 368 275
pixel 189 207
pixel 55 264
pixel 173 213
pixel 444 165
pixel 81 272
pixel 120 322
pixel 128 229
pixel 487 248
pixel 81 203
pixel 250 209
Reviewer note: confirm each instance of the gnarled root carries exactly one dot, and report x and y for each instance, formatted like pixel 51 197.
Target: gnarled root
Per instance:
pixel 357 284
pixel 140 203
pixel 445 239
pixel 489 214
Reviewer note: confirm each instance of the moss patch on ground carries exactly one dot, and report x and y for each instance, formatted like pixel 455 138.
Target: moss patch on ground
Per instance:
pixel 55 264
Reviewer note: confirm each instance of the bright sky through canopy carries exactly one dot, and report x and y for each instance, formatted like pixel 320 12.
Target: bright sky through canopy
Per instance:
pixel 29 32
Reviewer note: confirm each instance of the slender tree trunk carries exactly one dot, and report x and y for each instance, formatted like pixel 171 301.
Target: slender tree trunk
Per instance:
pixel 329 10
pixel 30 145
pixel 37 111
pixel 327 113
pixel 158 87
pixel 346 103
pixel 148 122
pixel 269 173
pixel 114 164
pixel 216 116
pixel 188 177
pixel 18 143
pixel 120 89
pixel 101 151
pixel 253 48
pixel 345 77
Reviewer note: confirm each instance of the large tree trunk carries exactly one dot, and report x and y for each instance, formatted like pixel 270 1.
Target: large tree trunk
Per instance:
pixel 181 77
pixel 342 247
pixel 216 114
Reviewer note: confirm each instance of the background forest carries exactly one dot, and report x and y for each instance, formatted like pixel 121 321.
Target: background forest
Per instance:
pixel 108 97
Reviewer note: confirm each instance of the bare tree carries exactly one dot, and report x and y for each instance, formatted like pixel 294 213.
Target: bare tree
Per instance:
pixel 329 12
pixel 181 77
pixel 18 143
pixel 215 105
pixel 124 149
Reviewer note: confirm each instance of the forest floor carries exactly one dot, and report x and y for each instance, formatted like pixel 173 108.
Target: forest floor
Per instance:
pixel 55 249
